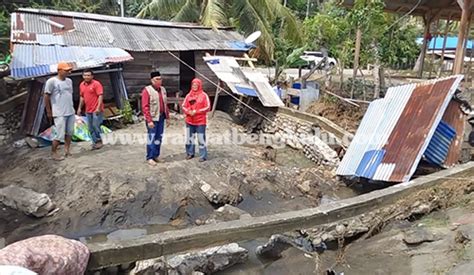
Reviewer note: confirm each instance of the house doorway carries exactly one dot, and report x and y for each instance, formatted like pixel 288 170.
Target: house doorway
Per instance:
pixel 186 75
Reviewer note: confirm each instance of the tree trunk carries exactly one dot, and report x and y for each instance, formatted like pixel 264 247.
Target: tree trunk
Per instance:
pixel 376 72
pixel 427 22
pixel 308 4
pixel 285 3
pixel 356 59
pixel 342 75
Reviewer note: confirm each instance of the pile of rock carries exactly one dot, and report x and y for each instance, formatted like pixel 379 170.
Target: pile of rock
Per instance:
pixel 302 135
pixel 10 124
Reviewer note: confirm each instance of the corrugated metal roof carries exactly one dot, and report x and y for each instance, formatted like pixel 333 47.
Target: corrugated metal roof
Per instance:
pixel 92 30
pixel 438 148
pixel 35 60
pixel 376 126
pixel 243 81
pixel 109 18
pixel 396 131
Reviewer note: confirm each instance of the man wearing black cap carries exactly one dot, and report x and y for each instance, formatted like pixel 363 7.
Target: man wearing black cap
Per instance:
pixel 155 111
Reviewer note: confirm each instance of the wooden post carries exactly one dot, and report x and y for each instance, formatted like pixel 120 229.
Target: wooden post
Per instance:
pixel 446 30
pixel 356 59
pixel 427 21
pixel 465 42
pixel 216 97
pixel 459 59
pixel 432 69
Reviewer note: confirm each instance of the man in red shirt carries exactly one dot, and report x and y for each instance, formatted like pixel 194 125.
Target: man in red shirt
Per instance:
pixel 155 110
pixel 91 92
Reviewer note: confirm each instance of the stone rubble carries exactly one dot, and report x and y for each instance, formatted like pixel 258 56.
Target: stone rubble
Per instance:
pixel 10 123
pixel 197 262
pixel 26 200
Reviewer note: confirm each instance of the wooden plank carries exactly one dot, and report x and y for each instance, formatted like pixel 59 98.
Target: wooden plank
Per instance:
pixel 156 245
pixel 427 23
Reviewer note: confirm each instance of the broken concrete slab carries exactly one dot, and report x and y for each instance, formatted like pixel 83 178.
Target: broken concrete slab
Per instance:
pixel 26 200
pixel 279 243
pixel 415 236
pixel 150 266
pixel 221 193
pixel 197 262
pixel 231 210
pixel 208 261
pixel 227 213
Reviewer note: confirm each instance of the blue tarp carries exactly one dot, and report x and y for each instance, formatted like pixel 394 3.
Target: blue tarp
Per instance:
pixel 246 91
pixel 451 43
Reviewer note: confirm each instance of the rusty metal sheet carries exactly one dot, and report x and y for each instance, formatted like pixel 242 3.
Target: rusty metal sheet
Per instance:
pixel 67 22
pixel 397 130
pixel 414 127
pixel 456 118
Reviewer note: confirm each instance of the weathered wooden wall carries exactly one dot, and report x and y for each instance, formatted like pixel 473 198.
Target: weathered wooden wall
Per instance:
pixel 137 72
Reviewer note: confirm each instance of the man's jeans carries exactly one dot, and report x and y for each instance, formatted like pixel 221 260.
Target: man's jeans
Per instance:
pixel 155 137
pixel 94 121
pixel 200 130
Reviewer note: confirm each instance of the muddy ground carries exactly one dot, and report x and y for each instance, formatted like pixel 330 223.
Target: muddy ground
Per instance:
pixel 113 188
pixel 346 115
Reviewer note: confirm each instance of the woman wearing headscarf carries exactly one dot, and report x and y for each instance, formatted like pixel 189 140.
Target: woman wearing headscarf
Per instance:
pixel 195 107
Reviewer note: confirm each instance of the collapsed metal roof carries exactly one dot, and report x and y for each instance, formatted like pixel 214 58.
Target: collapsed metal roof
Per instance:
pixel 46 27
pixel 42 38
pixel 396 132
pixel 243 80
pixel 35 60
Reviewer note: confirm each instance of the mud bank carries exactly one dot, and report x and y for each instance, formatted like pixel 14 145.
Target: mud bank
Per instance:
pixel 99 192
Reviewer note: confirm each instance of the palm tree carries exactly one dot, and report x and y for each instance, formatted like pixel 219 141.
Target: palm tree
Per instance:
pixel 246 15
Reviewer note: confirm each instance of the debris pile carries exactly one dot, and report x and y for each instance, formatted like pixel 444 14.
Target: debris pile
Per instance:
pixel 207 261
pixel 369 224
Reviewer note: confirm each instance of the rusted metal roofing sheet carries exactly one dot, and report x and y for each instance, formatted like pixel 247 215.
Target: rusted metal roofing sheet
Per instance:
pixel 396 131
pixel 243 81
pixel 456 118
pixel 46 27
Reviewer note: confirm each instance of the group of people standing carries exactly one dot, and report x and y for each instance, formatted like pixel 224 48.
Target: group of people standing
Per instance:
pixel 155 110
pixel 58 96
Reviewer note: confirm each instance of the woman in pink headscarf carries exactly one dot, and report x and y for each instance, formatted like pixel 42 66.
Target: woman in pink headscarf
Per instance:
pixel 195 106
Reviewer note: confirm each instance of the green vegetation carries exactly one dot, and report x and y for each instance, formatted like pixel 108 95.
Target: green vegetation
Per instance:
pixel 246 15
pixel 288 26
pixel 335 29
pixel 126 111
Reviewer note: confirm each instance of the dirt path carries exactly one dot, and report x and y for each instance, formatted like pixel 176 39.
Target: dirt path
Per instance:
pixel 113 188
